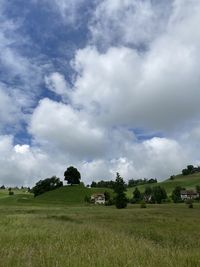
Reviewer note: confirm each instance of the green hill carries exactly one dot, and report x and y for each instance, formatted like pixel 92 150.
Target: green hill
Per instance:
pixel 187 181
pixel 68 195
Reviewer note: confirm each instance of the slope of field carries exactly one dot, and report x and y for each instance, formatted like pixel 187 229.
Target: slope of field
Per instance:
pixel 68 195
pixel 188 182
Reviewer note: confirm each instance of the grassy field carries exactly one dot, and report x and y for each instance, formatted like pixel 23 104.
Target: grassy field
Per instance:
pixel 58 229
pixel 89 236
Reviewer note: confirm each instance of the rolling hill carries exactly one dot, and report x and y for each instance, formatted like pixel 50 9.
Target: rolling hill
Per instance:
pixel 70 195
pixel 187 181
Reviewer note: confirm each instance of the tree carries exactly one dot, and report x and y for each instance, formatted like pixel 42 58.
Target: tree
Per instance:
pixel 120 188
pixel 147 194
pixel 46 185
pixel 137 195
pixel 185 172
pixel 72 175
pixel 190 168
pixel 176 194
pixel 158 194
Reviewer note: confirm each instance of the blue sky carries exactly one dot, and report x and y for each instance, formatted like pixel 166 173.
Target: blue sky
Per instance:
pixel 108 86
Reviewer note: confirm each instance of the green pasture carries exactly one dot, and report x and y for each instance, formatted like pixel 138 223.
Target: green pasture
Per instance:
pixel 98 236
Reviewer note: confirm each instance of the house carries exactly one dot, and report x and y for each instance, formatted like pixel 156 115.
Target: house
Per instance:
pixel 189 194
pixel 98 198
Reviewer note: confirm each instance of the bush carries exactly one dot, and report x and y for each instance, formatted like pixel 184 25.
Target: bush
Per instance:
pixel 143 205
pixel 190 206
pixel 11 193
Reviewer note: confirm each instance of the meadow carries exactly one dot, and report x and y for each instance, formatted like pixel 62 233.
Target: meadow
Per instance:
pixel 34 234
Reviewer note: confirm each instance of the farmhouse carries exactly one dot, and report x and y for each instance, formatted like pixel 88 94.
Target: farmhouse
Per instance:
pixel 189 194
pixel 98 198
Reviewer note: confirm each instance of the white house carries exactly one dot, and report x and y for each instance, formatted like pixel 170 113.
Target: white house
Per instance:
pixel 189 194
pixel 98 198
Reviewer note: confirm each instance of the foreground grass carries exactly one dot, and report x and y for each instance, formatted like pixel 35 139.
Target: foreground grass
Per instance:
pixel 67 236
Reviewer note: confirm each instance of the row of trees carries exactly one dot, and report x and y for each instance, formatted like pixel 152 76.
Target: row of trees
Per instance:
pixel 131 183
pixel 190 170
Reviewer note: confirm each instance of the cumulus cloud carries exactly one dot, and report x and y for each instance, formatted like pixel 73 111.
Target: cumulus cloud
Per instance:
pixel 147 89
pixel 59 125
pixel 24 165
pixel 130 22
pixel 56 83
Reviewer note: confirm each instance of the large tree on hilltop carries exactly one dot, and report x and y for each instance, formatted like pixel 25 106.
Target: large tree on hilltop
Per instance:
pixel 72 175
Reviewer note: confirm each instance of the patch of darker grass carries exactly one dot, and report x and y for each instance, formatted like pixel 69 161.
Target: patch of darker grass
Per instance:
pixel 65 218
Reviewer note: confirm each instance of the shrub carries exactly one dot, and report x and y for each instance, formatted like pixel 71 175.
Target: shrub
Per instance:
pixel 190 206
pixel 143 205
pixel 11 193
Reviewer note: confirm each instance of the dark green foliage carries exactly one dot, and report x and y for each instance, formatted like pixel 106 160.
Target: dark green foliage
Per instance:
pixel 107 195
pixel 147 194
pixel 103 184
pixel 2 187
pixel 172 177
pixel 87 199
pixel 133 182
pixel 143 205
pixel 158 194
pixel 11 193
pixel 72 175
pixel 137 196
pixel 185 172
pixel 46 185
pixel 190 168
pixel 176 194
pixel 198 189
pixel 190 206
pixel 120 188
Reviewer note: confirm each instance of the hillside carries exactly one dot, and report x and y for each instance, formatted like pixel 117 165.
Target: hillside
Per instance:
pixel 68 195
pixel 187 181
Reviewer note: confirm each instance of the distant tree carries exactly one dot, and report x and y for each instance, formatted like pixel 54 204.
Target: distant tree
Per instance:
pixel 2 187
pixel 120 188
pixel 176 194
pixel 158 194
pixel 72 175
pixel 185 172
pixel 147 194
pixel 172 177
pixel 190 168
pixel 93 184
pixel 137 195
pixel 46 185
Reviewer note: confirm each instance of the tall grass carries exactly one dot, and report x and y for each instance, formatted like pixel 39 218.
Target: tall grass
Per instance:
pixel 159 236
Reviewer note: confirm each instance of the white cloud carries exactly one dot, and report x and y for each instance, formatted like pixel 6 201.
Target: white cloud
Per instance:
pixel 57 83
pixel 129 22
pixel 59 125
pixel 157 89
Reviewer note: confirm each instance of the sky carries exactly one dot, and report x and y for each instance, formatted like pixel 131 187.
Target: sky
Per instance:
pixel 105 85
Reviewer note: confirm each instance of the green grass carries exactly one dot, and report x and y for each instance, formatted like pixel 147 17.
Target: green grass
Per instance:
pixel 188 182
pixel 74 236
